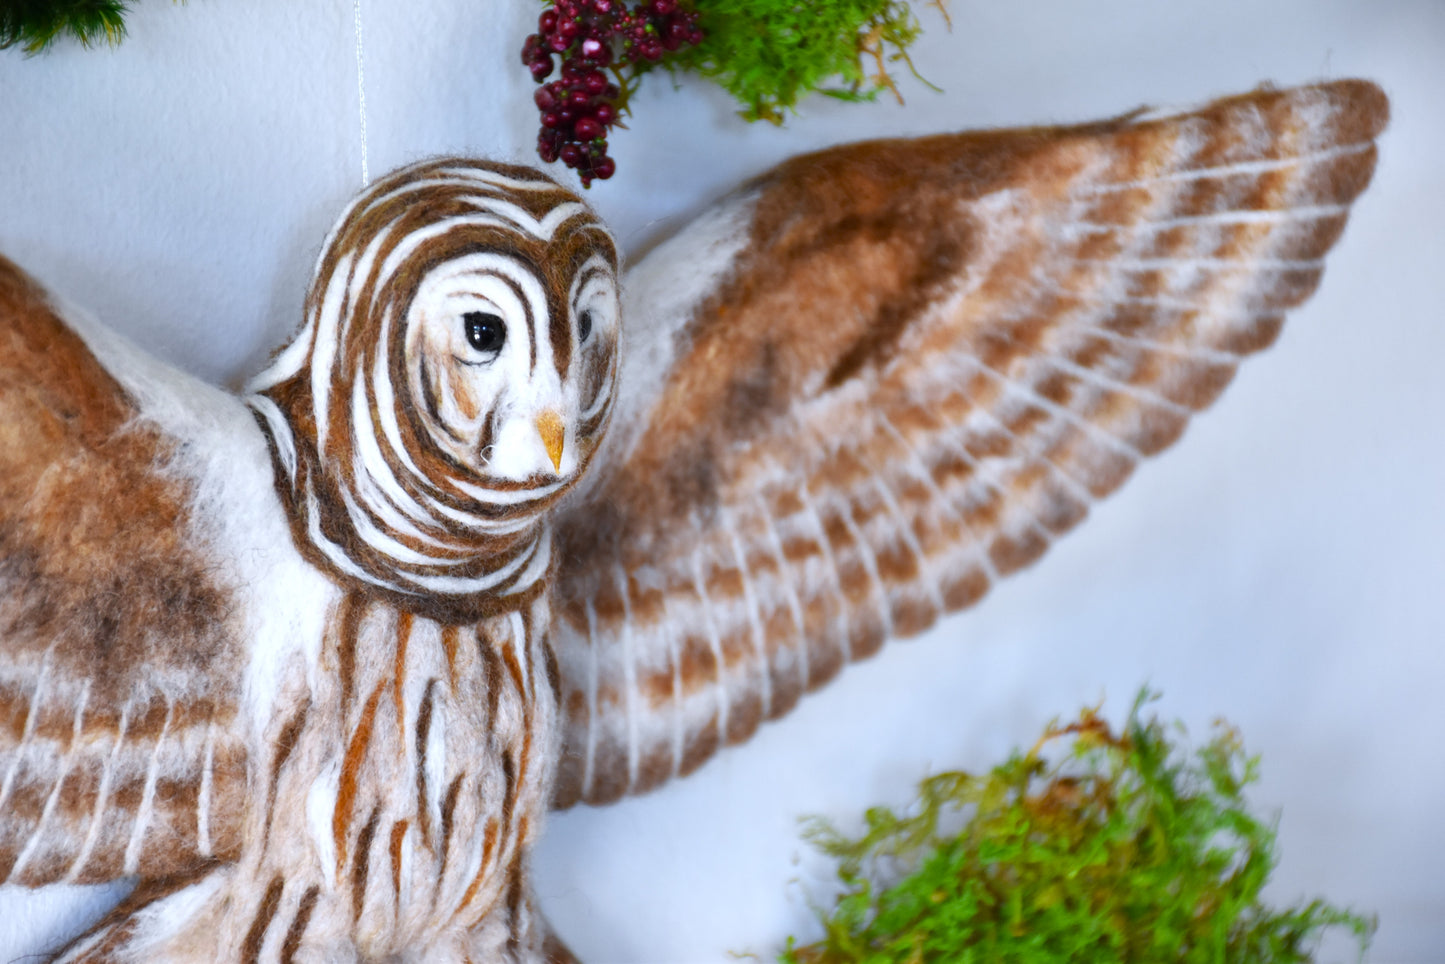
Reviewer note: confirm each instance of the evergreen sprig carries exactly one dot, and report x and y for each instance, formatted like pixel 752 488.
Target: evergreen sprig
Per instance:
pixel 770 53
pixel 36 24
pixel 1123 850
pixel 767 53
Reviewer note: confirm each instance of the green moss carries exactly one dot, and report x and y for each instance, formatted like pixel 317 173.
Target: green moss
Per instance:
pixel 767 53
pixel 36 24
pixel 770 53
pixel 1091 847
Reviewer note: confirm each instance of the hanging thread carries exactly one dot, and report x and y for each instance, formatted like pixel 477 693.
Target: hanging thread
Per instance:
pixel 361 90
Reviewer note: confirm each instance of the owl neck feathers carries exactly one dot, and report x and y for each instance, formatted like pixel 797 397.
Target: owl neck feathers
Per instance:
pixel 448 557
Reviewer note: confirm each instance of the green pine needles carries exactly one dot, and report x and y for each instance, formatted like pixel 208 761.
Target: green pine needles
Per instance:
pixel 1123 849
pixel 36 24
pixel 770 53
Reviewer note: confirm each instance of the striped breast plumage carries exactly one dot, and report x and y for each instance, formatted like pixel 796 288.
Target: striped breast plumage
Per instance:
pixel 312 663
pixel 401 789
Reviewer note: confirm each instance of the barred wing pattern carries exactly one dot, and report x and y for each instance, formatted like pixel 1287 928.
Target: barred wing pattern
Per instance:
pixel 881 377
pixel 119 745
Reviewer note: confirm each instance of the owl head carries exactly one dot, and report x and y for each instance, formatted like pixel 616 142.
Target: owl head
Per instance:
pixel 451 382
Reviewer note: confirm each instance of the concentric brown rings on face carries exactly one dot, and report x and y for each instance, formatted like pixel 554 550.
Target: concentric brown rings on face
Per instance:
pixel 374 499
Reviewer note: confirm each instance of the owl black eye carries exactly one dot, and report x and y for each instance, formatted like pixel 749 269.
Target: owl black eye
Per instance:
pixel 485 332
pixel 584 325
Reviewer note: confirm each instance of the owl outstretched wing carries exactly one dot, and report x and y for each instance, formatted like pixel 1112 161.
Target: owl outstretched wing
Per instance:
pixel 879 378
pixel 120 645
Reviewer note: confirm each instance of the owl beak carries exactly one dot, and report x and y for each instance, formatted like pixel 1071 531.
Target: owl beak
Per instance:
pixel 554 433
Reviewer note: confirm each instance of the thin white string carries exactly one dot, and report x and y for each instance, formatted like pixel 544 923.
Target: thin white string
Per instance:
pixel 361 90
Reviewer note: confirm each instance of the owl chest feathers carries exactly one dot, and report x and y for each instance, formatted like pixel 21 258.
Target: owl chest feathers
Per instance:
pixel 401 781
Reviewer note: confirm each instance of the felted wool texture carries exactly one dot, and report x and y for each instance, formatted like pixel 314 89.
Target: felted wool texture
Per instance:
pixel 375 784
pixel 393 507
pixel 181 184
pixel 1007 322
pixel 112 608
pixel 924 364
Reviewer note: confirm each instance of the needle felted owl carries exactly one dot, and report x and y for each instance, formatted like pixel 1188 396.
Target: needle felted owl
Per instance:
pixel 493 534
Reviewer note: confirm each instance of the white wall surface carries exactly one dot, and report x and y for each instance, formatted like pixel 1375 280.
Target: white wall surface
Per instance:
pixel 1283 566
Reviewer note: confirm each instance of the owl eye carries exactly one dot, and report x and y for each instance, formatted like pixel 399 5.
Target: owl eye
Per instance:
pixel 485 332
pixel 584 325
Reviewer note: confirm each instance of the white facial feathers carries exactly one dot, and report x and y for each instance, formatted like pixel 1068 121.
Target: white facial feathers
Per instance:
pixel 452 379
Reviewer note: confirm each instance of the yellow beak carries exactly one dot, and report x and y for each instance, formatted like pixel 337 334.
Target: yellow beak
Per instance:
pixel 554 433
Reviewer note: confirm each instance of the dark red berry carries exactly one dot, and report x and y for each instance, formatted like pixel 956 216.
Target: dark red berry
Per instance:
pixel 595 83
pixel 579 109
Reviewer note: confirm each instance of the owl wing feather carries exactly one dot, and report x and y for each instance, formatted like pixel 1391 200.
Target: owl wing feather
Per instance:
pixel 118 643
pixel 881 377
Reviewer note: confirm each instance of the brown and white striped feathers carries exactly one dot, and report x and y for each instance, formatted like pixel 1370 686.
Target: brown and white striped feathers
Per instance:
pixel 370 621
pixel 452 381
pixel 288 662
pixel 913 365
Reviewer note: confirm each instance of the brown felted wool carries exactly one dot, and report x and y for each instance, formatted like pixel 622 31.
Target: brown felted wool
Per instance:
pixel 293 659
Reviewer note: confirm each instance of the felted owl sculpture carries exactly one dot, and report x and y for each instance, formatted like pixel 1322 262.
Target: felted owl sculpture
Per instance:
pixel 496 532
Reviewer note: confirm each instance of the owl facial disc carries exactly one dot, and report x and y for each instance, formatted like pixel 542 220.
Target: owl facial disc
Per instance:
pixel 499 367
pixel 453 378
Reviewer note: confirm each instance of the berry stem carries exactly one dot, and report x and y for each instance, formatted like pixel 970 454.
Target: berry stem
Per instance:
pixel 593 38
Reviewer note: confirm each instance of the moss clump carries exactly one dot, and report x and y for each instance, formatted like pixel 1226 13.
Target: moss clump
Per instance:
pixel 36 24
pixel 770 53
pixel 1123 849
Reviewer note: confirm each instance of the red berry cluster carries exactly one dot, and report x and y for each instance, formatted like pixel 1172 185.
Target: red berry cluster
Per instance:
pixel 590 37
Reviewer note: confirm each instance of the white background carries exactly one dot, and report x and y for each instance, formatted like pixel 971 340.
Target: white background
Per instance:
pixel 1282 567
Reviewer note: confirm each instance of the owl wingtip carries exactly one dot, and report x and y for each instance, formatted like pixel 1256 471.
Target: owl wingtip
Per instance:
pixel 1366 99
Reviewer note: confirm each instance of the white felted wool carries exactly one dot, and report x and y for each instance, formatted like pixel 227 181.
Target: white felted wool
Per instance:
pixel 1217 635
pixel 1009 321
pixel 303 734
